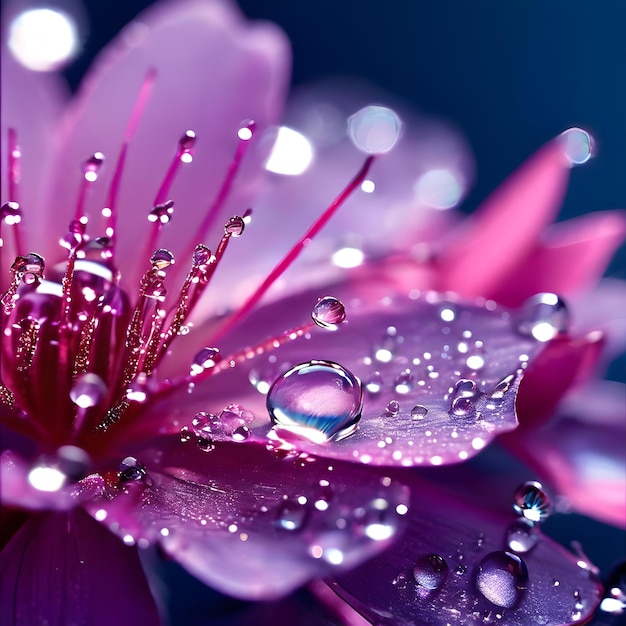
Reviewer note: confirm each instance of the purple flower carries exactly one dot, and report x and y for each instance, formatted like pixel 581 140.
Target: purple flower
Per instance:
pixel 149 399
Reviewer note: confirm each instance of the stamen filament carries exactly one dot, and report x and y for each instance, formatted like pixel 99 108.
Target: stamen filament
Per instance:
pixel 14 178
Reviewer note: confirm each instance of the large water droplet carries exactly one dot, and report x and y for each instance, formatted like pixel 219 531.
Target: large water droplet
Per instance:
pixel 132 469
pixel 577 145
pixel 320 400
pixel 404 382
pixel 87 390
pixel 522 536
pixel 374 129
pixel 29 267
pixel 462 407
pixel 328 313
pixel 292 514
pixel 430 571
pixel 205 359
pixel 419 412
pixel 544 316
pixel 532 502
pixel 502 578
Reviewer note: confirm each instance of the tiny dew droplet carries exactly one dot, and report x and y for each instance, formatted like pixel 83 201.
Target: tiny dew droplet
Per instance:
pixel 91 167
pixel 291 515
pixel 374 129
pixel 319 400
pixel 328 313
pixel 393 406
pixel 201 255
pixel 162 213
pixel 577 145
pixel 204 359
pixel 161 259
pixel 246 130
pixel 235 226
pixel 501 578
pixel 430 571
pixel 522 536
pixel 87 390
pixel 131 469
pixel 532 502
pixel 419 412
pixel 241 433
pixel 544 316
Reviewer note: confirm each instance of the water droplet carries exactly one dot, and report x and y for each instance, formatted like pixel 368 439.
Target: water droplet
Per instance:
pixel 231 418
pixel 464 388
pixel 393 406
pixel 462 407
pixel 374 383
pixel 532 502
pixel 29 268
pixel 201 255
pixel 328 313
pixel 319 400
pixel 138 389
pixel 241 433
pixel 205 359
pixel 374 129
pixel 161 259
pixel 202 423
pixel 87 390
pixel 377 520
pixel 152 285
pixel 499 391
pixel 502 578
pixel 614 601
pixel 10 213
pixel 235 226
pixel 91 167
pixel 73 461
pixel 291 515
pixel 577 145
pixel 162 213
pixel 430 571
pixel 419 412
pixel 544 316
pixel 404 382
pixel 206 444
pixel 522 536
pixel 132 469
pixel 185 435
pixel 187 141
pixel 246 130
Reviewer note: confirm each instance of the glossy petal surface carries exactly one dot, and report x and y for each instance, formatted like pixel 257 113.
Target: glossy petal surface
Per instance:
pixel 251 524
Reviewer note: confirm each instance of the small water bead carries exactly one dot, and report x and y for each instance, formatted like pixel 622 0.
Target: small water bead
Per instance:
pixel 499 391
pixel 577 145
pixel 246 130
pixel 161 259
pixel 462 407
pixel 205 359
pixel 544 316
pixel 88 390
pixel 291 514
pixel 522 536
pixel 235 226
pixel 393 407
pixel 201 255
pixel 241 433
pixel 162 213
pixel 614 601
pixel 230 419
pixel 152 285
pixel 206 444
pixel 532 502
pixel 10 213
pixel 328 313
pixel 374 129
pixel 29 268
pixel 501 578
pixel 419 412
pixel 464 388
pixel 404 382
pixel 187 141
pixel 91 167
pixel 131 469
pixel 374 383
pixel 430 571
pixel 319 400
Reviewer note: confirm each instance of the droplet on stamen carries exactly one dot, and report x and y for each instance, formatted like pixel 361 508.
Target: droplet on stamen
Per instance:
pixel 246 130
pixel 577 145
pixel 374 129
pixel 204 359
pixel 235 226
pixel 162 213
pixel 10 213
pixel 161 259
pixel 91 167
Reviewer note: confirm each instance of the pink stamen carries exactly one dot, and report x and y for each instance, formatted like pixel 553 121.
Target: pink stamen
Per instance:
pixel 91 167
pixel 183 155
pixel 293 254
pixel 110 209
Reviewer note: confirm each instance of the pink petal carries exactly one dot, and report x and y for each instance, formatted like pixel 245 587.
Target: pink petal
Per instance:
pixel 64 568
pixel 464 533
pixel 582 451
pixel 249 523
pixel 482 252
pixel 213 71
pixel 421 359
pixel 571 258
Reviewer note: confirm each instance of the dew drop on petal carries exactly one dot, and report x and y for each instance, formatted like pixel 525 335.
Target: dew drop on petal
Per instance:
pixel 393 406
pixel 522 536
pixel 201 424
pixel 577 145
pixel 419 412
pixel 543 317
pixel 131 469
pixel 502 578
pixel 319 400
pixel 462 407
pixel 328 313
pixel 430 571
pixel 291 514
pixel 464 388
pixel 204 359
pixel 532 502
pixel 374 129
pixel 241 433
pixel 88 390
pixel 206 444
pixel 374 383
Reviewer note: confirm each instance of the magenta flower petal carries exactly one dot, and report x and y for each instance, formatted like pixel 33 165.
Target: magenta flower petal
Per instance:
pixel 249 523
pixel 64 568
pixel 582 451
pixel 214 71
pixel 483 250
pixel 439 379
pixel 454 565
pixel 573 257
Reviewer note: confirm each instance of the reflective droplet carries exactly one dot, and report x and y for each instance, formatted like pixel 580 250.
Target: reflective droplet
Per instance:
pixel 29 268
pixel 532 502
pixel 205 444
pixel 499 391
pixel 246 130
pixel 328 313
pixel 184 435
pixel 319 400
pixel 419 412
pixel 187 141
pixel 91 167
pixel 577 145
pixel 502 578
pixel 235 226
pixel 378 520
pixel 87 390
pixel 374 129
pixel 202 423
pixel 291 514
pixel 162 212
pixel 374 383
pixel 522 536
pixel 614 600
pixel 462 407
pixel 152 285
pixel 430 571
pixel 132 469
pixel 393 406
pixel 403 383
pixel 73 461
pixel 138 388
pixel 201 255
pixel 231 418
pixel 205 359
pixel 161 259
pixel 241 433
pixel 10 213
pixel 464 388
pixel 543 317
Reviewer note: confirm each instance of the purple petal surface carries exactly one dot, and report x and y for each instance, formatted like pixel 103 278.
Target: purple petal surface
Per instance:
pixel 399 587
pixel 64 568
pixel 249 523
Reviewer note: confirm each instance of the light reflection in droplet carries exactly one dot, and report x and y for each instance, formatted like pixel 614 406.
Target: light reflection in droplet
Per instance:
pixel 439 188
pixel 348 257
pixel 292 153
pixel 374 129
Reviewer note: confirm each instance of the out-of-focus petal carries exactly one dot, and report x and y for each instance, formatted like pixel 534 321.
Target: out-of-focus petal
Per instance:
pixel 65 568
pixel 571 258
pixel 249 523
pixel 582 451
pixel 467 581
pixel 439 378
pixel 489 244
pixel 214 70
